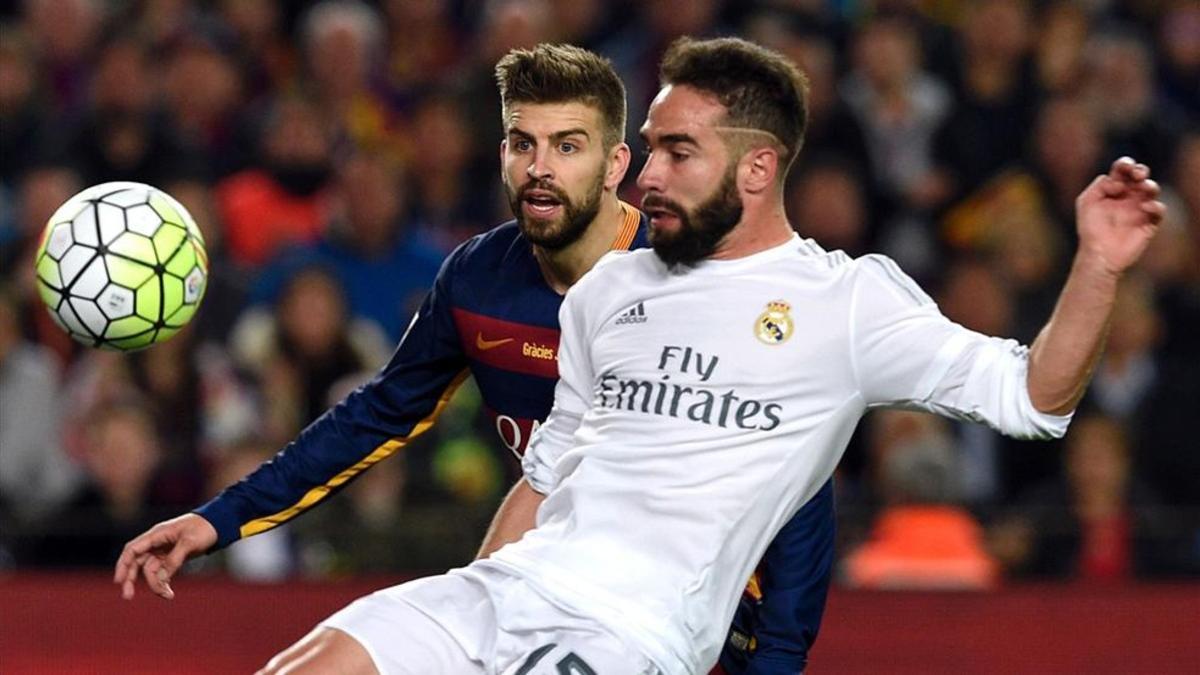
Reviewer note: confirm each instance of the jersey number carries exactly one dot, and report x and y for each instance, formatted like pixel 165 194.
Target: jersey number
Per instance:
pixel 571 664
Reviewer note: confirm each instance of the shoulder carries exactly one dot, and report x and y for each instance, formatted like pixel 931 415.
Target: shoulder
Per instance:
pixel 485 250
pixel 623 266
pixel 494 243
pixel 880 273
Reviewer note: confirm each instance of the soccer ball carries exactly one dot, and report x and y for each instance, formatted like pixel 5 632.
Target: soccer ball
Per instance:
pixel 121 266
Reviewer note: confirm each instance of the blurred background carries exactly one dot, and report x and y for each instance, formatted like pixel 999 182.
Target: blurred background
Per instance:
pixel 334 152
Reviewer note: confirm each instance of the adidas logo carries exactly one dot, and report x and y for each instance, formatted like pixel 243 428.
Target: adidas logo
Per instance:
pixel 635 314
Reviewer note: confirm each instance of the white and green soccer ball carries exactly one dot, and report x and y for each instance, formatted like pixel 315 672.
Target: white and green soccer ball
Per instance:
pixel 122 266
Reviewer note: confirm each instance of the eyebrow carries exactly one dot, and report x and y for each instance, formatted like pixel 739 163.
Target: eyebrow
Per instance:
pixel 555 137
pixel 671 139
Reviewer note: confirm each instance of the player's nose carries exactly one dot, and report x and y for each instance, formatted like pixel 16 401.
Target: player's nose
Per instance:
pixel 539 168
pixel 650 177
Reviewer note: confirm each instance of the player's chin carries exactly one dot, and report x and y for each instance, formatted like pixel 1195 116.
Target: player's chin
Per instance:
pixel 542 232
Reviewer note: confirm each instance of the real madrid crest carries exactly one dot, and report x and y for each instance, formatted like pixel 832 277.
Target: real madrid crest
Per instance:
pixel 774 326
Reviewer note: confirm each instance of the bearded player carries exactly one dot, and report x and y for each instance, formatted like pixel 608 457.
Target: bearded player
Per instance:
pixel 493 314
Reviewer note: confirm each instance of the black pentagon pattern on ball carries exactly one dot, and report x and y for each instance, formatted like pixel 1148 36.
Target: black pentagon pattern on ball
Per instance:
pixel 124 307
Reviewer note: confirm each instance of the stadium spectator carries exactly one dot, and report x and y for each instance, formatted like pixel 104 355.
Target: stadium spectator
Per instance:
pixel 1058 51
pixel 452 196
pixel 126 133
pixel 922 538
pixel 1129 372
pixel 284 200
pixel 263 51
pixel 65 33
pixel 35 474
pixel 827 203
pixel 1067 146
pixel 424 49
pixel 303 348
pixel 1179 43
pixel 995 93
pixel 22 114
pixel 121 456
pixel 344 44
pixel 385 267
pixel 899 105
pixel 1122 92
pixel 203 92
pixel 1096 523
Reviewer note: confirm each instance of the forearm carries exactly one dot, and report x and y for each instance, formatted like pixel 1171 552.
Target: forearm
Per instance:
pixel 515 517
pixel 1066 351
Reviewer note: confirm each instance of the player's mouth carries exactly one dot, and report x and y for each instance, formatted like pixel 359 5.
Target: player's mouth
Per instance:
pixel 660 217
pixel 661 211
pixel 541 204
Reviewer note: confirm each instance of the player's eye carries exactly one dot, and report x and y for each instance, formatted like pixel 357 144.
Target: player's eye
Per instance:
pixel 677 156
pixel 567 148
pixel 522 145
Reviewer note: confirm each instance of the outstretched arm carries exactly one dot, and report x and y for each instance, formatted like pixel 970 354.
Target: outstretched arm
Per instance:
pixel 1116 217
pixel 371 424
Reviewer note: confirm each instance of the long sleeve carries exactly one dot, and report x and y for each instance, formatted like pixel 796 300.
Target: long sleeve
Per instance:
pixel 907 354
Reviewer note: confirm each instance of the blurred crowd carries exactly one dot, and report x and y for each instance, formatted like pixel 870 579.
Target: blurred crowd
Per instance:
pixel 333 153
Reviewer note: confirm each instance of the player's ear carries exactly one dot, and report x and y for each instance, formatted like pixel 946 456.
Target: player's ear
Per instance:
pixel 618 165
pixel 758 169
pixel 503 150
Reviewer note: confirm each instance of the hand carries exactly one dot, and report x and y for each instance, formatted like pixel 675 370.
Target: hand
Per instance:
pixel 1117 215
pixel 160 551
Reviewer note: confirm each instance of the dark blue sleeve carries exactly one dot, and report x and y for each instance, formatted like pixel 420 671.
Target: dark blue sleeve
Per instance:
pixel 371 424
pixel 794 578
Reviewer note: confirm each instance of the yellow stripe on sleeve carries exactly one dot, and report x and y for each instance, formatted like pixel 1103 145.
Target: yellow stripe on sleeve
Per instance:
pixel 629 227
pixel 387 449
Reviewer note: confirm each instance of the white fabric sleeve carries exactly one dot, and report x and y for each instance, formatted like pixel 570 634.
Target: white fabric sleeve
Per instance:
pixel 907 354
pixel 572 398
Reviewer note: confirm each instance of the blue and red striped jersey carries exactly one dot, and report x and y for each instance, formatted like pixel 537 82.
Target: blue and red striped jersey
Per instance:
pixel 491 315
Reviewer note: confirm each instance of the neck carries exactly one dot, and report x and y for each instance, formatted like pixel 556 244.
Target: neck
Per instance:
pixel 758 230
pixel 563 267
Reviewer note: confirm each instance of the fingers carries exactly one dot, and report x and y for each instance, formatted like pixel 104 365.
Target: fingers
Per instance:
pixel 138 547
pixel 1127 170
pixel 158 579
pixel 1156 210
pixel 1149 188
pixel 137 554
pixel 1126 174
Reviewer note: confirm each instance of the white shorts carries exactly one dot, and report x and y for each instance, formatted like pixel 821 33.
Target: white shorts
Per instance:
pixel 479 620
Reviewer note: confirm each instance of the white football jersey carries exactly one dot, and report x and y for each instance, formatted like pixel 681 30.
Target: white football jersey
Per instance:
pixel 698 408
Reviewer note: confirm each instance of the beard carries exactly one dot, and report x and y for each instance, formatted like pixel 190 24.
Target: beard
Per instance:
pixel 557 233
pixel 701 229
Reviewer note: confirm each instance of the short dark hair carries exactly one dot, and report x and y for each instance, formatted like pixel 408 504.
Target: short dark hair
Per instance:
pixel 759 88
pixel 557 73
